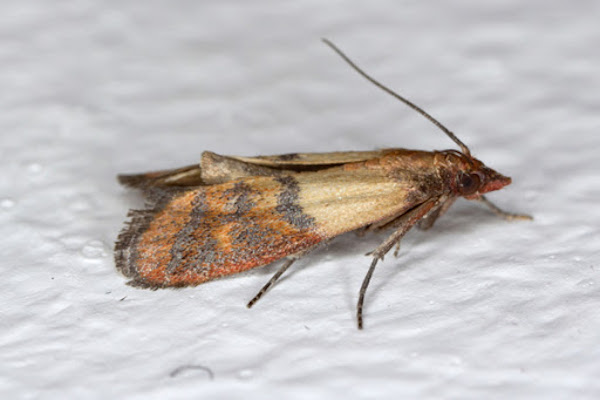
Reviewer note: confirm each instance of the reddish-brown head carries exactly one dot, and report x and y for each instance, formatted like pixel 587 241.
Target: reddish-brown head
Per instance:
pixel 469 177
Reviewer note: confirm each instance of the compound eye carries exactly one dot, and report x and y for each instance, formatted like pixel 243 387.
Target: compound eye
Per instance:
pixel 468 183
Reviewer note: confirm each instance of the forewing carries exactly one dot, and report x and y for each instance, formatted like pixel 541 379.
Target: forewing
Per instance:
pixel 190 236
pixel 185 176
pixel 306 161
pixel 214 168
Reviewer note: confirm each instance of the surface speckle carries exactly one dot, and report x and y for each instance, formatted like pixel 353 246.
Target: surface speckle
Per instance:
pixel 246 374
pixel 7 203
pixel 95 249
pixel 34 168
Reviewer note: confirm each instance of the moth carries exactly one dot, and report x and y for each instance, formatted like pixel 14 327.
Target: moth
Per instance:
pixel 229 214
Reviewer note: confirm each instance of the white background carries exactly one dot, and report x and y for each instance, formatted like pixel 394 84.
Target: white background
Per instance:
pixel 475 308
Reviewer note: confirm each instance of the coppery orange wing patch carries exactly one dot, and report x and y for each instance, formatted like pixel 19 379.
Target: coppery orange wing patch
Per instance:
pixel 192 236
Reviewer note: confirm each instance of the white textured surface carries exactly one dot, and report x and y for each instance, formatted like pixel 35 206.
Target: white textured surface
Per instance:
pixel 475 308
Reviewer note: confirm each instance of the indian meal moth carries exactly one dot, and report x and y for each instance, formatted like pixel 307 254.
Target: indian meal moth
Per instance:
pixel 229 214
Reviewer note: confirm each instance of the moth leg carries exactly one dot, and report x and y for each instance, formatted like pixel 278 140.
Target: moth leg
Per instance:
pixel 381 225
pixel 397 249
pixel 428 220
pixel 403 224
pixel 288 263
pixel 362 231
pixel 501 213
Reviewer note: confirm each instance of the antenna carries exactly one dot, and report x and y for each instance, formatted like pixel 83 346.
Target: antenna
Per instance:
pixel 409 103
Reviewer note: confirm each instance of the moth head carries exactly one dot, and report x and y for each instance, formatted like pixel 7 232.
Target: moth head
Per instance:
pixel 470 178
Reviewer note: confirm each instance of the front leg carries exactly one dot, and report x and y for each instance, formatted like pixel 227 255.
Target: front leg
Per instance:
pixel 429 219
pixel 501 213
